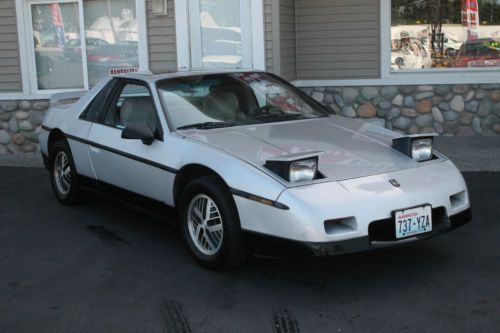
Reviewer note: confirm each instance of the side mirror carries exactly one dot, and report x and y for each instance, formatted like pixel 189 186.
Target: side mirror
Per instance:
pixel 139 131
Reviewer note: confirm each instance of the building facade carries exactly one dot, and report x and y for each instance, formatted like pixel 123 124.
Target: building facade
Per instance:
pixel 412 66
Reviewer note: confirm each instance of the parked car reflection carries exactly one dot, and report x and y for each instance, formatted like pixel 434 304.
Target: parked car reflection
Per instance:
pixel 73 49
pixel 106 57
pixel 484 52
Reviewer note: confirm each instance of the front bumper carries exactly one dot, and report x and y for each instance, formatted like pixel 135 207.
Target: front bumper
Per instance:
pixel 379 237
pixel 332 212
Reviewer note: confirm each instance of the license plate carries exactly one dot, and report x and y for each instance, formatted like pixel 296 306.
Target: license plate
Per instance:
pixel 413 221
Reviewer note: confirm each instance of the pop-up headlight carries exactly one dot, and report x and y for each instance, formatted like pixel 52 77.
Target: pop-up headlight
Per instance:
pixel 295 167
pixel 418 147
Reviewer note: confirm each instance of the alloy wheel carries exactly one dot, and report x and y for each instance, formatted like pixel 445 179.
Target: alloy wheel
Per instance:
pixel 62 173
pixel 205 224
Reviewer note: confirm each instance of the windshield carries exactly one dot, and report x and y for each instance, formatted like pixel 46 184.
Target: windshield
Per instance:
pixel 232 99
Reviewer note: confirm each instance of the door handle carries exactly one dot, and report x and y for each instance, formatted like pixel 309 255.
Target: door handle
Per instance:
pixel 95 150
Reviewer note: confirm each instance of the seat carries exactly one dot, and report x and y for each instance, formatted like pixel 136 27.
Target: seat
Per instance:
pixel 138 109
pixel 222 104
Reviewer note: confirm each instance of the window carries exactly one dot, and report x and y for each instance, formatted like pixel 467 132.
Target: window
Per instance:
pixel 237 98
pixel 134 105
pixel 445 34
pixel 76 43
pixel 219 34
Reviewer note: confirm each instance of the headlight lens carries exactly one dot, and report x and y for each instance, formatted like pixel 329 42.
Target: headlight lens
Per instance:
pixel 421 150
pixel 303 170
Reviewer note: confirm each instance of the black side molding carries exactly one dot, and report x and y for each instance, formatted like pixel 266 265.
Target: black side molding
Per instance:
pixel 116 151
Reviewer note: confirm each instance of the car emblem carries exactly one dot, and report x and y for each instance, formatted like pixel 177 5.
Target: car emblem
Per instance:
pixel 394 182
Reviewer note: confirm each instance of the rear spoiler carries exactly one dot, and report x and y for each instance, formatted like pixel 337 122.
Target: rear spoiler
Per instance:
pixel 66 99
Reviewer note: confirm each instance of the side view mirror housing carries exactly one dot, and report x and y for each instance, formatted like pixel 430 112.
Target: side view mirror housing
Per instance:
pixel 139 131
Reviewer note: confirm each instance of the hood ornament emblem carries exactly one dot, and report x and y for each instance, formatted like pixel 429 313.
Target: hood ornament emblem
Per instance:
pixel 394 182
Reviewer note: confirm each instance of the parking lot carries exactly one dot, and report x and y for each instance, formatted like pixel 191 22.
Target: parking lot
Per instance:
pixel 100 267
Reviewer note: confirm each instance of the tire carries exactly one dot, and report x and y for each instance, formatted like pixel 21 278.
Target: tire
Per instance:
pixel 217 242
pixel 66 187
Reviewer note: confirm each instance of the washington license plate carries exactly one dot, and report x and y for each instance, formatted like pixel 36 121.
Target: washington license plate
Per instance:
pixel 413 221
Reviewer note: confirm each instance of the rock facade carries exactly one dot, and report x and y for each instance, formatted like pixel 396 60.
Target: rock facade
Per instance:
pixel 20 123
pixel 461 110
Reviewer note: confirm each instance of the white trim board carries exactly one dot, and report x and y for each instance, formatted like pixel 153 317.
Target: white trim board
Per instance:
pixel 401 79
pixel 21 96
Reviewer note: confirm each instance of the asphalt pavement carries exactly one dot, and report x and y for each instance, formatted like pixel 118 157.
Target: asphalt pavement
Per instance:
pixel 100 267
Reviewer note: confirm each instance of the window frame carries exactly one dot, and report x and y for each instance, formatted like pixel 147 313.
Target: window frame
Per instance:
pixel 116 91
pixel 27 51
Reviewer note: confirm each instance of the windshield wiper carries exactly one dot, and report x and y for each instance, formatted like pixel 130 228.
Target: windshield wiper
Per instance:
pixel 279 117
pixel 209 125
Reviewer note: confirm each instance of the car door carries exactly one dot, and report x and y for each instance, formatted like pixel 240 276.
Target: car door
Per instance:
pixel 123 166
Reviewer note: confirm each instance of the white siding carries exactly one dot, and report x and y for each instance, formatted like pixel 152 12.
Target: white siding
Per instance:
pixel 287 39
pixel 338 39
pixel 268 31
pixel 161 39
pixel 10 69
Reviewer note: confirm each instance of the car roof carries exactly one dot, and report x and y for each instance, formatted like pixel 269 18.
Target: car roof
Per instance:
pixel 153 77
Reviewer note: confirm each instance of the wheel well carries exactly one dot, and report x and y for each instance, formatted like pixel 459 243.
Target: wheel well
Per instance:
pixel 54 136
pixel 187 174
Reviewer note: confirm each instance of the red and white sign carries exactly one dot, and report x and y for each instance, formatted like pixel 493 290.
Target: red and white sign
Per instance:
pixel 57 22
pixel 470 18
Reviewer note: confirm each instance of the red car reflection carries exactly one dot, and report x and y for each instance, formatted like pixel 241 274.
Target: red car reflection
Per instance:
pixel 483 52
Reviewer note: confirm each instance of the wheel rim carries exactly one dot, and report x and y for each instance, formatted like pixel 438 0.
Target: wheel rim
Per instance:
pixel 205 224
pixel 62 173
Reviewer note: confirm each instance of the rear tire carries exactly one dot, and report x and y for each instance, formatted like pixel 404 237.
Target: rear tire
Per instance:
pixel 210 224
pixel 63 175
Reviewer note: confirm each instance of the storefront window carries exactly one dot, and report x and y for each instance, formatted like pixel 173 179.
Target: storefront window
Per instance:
pixel 111 37
pixel 220 33
pixel 111 40
pixel 445 34
pixel 55 29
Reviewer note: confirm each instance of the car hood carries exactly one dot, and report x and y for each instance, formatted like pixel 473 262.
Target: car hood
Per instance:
pixel 350 149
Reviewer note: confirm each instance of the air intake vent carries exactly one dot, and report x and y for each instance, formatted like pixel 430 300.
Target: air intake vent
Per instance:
pixel 341 226
pixel 458 200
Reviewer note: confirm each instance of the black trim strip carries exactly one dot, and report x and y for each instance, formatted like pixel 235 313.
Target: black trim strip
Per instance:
pixel 124 154
pixel 259 199
pixel 48 129
pixel 136 200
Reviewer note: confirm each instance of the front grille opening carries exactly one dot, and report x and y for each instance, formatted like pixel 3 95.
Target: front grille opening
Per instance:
pixel 341 226
pixel 458 200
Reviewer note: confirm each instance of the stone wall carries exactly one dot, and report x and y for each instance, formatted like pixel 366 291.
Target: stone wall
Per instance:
pixel 463 110
pixel 20 124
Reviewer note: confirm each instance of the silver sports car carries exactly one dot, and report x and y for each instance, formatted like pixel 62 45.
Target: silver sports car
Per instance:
pixel 246 162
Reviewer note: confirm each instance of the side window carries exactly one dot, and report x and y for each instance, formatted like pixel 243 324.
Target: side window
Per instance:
pixel 134 104
pixel 98 105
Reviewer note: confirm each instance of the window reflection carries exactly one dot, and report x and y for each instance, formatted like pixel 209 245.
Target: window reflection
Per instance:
pixel 55 30
pixel 220 33
pixel 111 35
pixel 445 34
pixel 111 29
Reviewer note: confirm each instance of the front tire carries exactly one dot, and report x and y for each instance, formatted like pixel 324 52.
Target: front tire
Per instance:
pixel 210 224
pixel 63 176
